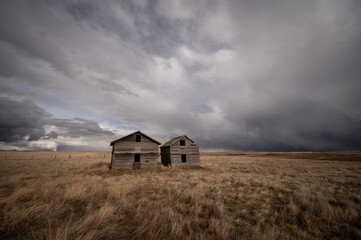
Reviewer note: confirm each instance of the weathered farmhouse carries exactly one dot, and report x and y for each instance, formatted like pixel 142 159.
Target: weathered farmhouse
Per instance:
pixel 135 150
pixel 180 151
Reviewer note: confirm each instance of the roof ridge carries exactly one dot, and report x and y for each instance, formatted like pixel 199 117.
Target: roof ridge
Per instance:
pixel 133 133
pixel 174 140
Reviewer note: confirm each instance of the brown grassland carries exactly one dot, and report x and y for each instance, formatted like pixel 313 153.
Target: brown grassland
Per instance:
pixel 73 195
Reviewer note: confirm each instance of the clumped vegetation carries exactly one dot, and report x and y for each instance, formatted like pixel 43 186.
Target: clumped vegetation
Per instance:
pixel 231 196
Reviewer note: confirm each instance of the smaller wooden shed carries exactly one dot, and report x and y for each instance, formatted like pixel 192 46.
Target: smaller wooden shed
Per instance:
pixel 180 151
pixel 135 150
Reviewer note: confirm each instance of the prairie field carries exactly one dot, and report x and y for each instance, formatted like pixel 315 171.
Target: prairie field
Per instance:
pixel 233 195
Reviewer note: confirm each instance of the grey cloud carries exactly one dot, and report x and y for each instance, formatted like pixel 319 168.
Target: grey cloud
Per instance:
pixel 23 122
pixel 51 135
pixel 78 127
pixel 32 41
pixel 112 86
pixel 239 75
pixel 21 118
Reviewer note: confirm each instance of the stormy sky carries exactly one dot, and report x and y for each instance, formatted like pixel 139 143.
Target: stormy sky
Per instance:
pixel 232 75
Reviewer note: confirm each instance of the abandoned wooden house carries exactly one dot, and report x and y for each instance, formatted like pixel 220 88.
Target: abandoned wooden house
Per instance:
pixel 135 150
pixel 180 151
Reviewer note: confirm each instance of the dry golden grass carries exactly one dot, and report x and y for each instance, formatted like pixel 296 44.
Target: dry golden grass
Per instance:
pixel 232 196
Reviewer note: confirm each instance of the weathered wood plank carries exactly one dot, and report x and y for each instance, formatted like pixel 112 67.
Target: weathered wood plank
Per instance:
pixel 124 151
pixel 135 152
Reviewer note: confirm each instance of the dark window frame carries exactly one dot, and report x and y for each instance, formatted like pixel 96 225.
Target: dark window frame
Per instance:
pixel 138 138
pixel 182 142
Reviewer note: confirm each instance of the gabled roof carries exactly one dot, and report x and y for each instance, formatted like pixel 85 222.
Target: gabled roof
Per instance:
pixel 175 140
pixel 137 132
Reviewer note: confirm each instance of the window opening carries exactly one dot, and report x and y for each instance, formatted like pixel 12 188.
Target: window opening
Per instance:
pixel 182 142
pixel 138 138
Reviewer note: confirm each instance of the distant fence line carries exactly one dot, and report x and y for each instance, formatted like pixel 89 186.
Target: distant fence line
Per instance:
pixel 23 156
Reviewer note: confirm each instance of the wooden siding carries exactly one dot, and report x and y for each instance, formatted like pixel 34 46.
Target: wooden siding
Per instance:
pixel 129 144
pixel 125 149
pixel 192 160
pixel 173 154
pixel 149 160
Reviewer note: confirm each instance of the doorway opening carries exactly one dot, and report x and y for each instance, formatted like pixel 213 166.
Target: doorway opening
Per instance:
pixel 136 157
pixel 184 158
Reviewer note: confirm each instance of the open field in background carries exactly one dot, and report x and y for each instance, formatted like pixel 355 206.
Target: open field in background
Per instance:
pixel 231 196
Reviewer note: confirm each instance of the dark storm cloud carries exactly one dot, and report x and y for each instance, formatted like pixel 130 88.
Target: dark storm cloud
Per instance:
pixel 23 122
pixel 51 135
pixel 20 118
pixel 238 75
pixel 77 127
